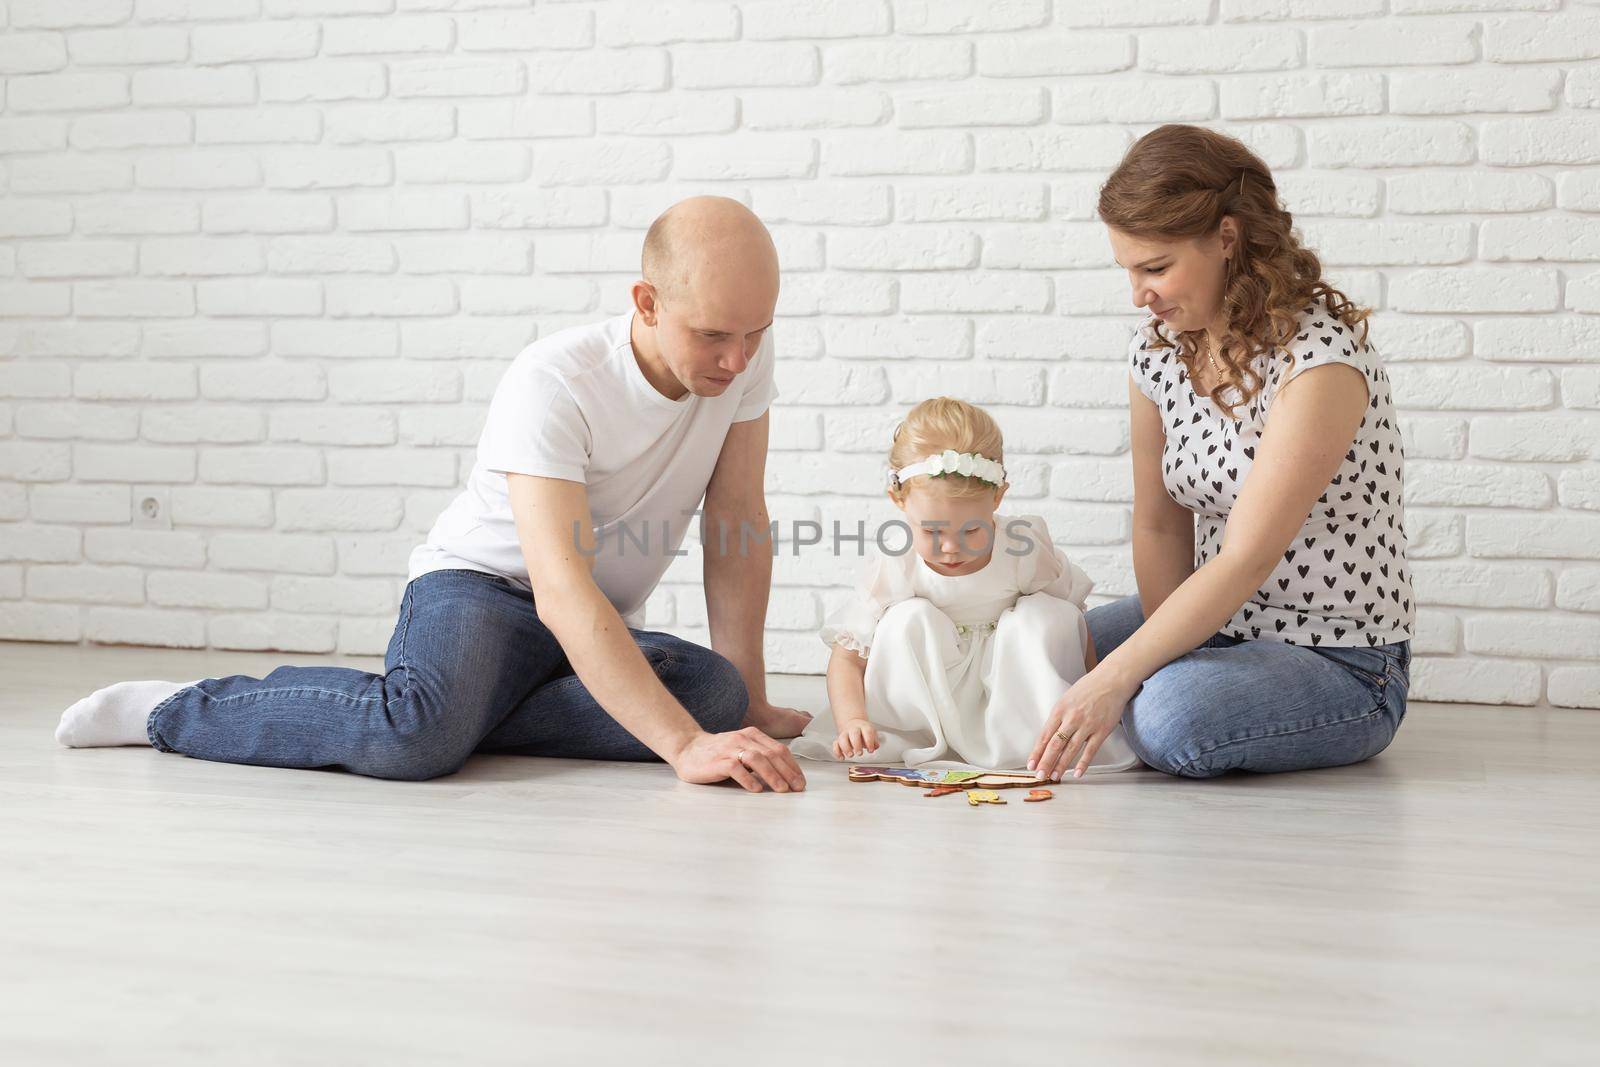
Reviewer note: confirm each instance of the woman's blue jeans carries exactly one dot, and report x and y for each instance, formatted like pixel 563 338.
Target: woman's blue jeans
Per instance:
pixel 1259 705
pixel 470 668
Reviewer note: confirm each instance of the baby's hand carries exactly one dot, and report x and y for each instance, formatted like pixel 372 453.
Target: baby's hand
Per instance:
pixel 856 738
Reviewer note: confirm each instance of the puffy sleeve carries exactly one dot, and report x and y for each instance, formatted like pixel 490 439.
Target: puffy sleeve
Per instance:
pixel 882 583
pixel 1045 568
pixel 1146 362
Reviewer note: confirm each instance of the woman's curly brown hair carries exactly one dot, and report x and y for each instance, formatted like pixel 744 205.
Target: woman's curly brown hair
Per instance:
pixel 1179 181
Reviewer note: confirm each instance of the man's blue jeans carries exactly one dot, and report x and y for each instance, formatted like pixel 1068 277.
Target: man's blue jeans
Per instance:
pixel 470 668
pixel 1258 705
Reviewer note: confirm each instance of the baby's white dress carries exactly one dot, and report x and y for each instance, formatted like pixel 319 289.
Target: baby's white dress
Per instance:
pixel 963 670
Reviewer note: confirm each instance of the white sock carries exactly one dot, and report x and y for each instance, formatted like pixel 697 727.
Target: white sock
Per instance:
pixel 114 715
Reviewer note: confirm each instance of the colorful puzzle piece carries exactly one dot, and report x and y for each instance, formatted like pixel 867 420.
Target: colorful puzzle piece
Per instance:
pixel 943 790
pixel 1036 795
pixel 983 796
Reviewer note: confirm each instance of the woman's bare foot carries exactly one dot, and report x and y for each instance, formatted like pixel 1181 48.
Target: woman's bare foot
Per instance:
pixel 780 723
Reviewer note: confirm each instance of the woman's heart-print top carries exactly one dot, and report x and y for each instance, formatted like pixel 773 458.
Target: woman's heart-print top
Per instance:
pixel 1343 580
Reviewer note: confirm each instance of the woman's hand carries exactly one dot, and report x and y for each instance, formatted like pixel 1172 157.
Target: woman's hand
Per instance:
pixel 856 738
pixel 1079 724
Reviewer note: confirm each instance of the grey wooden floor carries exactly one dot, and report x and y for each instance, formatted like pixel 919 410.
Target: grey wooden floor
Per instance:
pixel 1440 904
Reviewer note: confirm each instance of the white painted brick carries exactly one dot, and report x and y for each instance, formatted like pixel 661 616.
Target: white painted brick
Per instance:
pixel 512 296
pixel 866 154
pixel 284 8
pixel 1051 339
pixel 35 300
pixel 1219 49
pixel 1475 681
pixel 215 45
pixel 766 20
pixel 274 553
pixel 958 16
pixel 735 66
pixel 180 589
pixel 619 27
pixel 122 130
pixel 390 34
pixel 37 380
pixel 1101 479
pixel 1580 488
pixel 1275 10
pixel 1560 338
pixel 182 340
pixel 1135 100
pixel 741 158
pixel 382 123
pixel 386 383
pixel 1534 536
pixel 623 71
pixel 1541 38
pixel 212 424
pixel 1458 92
pixel 390 298
pixel 1151 13
pixel 145 548
pixel 1580 388
pixel 1435 437
pixel 1034 247
pixel 668 116
pixel 1346 243
pixel 1583 293
pixel 1575 687
pixel 903 248
pixel 1522 142
pixel 330 255
pixel 261 466
pixel 811 294
pixel 86 584
pixel 459 77
pixel 11 583
pixel 97 340
pixel 69 174
pixel 1550 239
pixel 1482 585
pixel 526 31
pixel 976 383
pixel 460 426
pixel 905 337
pixel 1583 87
pixel 1434 535
pixel 272 632
pixel 1436 633
pixel 1308 95
pixel 1069 148
pixel 375 554
pixel 1578 588
pixel 204 506
pixel 133 299
pixel 196 170
pixel 1390 144
pixel 1408 339
pixel 548 208
pixel 204 256
pixel 263 381
pixel 333 596
pixel 260 297
pixel 41 544
pixel 1541 636
pixel 139 463
pixel 35 219
pixel 33 135
pixel 85 504
pixel 29 462
pixel 1089 385
pixel 127 46
pixel 322 168
pixel 1409 43
pixel 93 422
pixel 324 80
pixel 138 381
pixel 971 107
pixel 1460 193
pixel 1431 7
pixel 975 292
pixel 1476 289
pixel 835 203
pixel 39 622
pixel 267 213
pixel 32 53
pixel 258 126
pixel 601 162
pixel 318 510
pixel 1470 388
pixel 193 88
pixel 873 61
pixel 67 92
pixel 364 637
pixel 1059 432
pixel 328 425
pixel 393 466
pixel 464 340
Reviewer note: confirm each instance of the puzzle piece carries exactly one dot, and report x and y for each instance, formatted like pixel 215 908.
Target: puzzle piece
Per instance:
pixel 926 777
pixel 943 790
pixel 983 796
pixel 1036 795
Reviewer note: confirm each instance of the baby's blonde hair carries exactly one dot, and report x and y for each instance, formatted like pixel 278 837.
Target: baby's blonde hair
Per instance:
pixel 947 423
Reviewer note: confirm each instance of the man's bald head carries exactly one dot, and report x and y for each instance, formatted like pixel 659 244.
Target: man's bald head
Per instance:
pixel 707 241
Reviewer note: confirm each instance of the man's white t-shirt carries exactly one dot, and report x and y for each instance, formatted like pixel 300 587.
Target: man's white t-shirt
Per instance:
pixel 577 406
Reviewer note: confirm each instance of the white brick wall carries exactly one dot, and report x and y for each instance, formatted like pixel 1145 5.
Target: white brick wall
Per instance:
pixel 266 259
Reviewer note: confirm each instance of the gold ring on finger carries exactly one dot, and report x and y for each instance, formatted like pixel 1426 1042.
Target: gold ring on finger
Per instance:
pixel 1065 737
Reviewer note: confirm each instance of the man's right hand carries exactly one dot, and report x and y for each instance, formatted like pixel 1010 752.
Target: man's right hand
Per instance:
pixel 748 756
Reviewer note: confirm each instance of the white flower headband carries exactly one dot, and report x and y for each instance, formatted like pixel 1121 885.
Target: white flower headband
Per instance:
pixel 970 464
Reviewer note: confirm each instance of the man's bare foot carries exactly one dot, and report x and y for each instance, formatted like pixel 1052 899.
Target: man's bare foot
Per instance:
pixel 777 722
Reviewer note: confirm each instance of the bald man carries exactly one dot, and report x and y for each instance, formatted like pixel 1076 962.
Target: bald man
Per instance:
pixel 517 631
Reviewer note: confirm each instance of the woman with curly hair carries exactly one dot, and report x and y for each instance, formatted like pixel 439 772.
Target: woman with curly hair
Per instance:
pixel 1272 626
